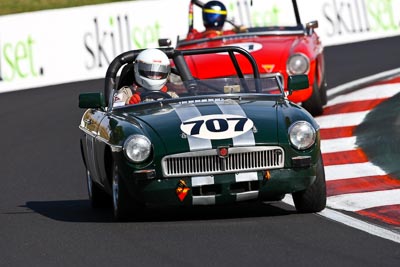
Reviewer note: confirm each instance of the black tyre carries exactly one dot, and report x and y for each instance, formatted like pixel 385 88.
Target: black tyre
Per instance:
pixel 122 202
pixel 98 198
pixel 313 199
pixel 314 104
pixel 323 92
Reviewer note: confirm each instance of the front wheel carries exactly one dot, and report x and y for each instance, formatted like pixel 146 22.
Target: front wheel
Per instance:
pixel 314 104
pixel 122 202
pixel 313 199
pixel 323 92
pixel 97 197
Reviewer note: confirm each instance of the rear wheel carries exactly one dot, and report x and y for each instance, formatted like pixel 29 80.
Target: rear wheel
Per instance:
pixel 98 198
pixel 314 104
pixel 313 199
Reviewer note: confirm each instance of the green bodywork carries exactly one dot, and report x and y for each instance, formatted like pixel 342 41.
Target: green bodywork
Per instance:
pixel 161 124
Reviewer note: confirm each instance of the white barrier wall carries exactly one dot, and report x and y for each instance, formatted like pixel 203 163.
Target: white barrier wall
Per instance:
pixel 73 44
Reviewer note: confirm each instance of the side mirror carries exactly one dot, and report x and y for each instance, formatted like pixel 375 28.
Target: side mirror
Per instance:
pixel 164 42
pixel 297 82
pixel 92 100
pixel 310 26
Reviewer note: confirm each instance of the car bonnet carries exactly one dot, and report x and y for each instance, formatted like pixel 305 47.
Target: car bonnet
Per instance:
pixel 198 125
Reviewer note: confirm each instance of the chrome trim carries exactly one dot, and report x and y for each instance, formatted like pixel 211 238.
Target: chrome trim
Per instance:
pixel 145 171
pixel 203 200
pixel 92 134
pixel 114 148
pixel 246 177
pixel 202 180
pixel 147 174
pixel 207 162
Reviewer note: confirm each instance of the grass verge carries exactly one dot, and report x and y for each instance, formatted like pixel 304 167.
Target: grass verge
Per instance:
pixel 19 6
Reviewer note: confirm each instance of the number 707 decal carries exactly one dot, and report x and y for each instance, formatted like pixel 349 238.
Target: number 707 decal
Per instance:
pixel 218 126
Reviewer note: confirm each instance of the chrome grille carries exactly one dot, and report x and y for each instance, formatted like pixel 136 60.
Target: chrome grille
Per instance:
pixel 208 162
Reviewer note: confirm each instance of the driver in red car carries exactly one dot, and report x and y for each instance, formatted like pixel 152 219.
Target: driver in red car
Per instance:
pixel 151 71
pixel 214 16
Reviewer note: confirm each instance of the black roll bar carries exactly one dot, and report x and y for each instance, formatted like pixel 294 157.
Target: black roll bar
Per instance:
pixel 178 57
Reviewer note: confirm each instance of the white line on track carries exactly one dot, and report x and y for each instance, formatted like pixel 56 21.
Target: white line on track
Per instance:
pixel 365 200
pixel 341 120
pixel 338 144
pixel 366 80
pixel 369 93
pixel 349 171
pixel 361 225
pixel 353 222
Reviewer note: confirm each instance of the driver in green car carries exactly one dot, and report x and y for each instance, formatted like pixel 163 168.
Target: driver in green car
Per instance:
pixel 151 71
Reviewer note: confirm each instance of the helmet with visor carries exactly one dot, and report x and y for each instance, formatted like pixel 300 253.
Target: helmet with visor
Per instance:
pixel 152 68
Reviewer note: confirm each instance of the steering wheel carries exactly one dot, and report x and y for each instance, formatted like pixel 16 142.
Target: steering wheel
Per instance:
pixel 154 95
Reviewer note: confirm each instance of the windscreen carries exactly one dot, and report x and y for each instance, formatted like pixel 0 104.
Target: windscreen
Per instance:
pixel 266 85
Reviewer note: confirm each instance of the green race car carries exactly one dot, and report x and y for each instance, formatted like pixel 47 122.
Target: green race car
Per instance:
pixel 222 141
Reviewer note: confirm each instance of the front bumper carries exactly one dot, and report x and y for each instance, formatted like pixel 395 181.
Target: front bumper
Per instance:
pixel 220 189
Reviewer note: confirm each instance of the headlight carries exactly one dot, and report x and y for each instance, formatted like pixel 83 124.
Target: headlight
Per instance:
pixel 302 135
pixel 137 148
pixel 298 64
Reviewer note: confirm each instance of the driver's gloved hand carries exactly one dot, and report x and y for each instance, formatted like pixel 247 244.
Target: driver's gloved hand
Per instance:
pixel 135 98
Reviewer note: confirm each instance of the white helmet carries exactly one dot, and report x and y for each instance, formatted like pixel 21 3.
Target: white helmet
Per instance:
pixel 152 68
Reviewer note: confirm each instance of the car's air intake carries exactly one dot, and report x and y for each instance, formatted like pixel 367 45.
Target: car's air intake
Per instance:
pixel 238 159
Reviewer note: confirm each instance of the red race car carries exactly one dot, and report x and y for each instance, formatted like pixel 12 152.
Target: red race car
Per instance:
pixel 286 47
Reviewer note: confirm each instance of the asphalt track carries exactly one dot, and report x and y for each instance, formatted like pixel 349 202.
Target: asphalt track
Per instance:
pixel 45 218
